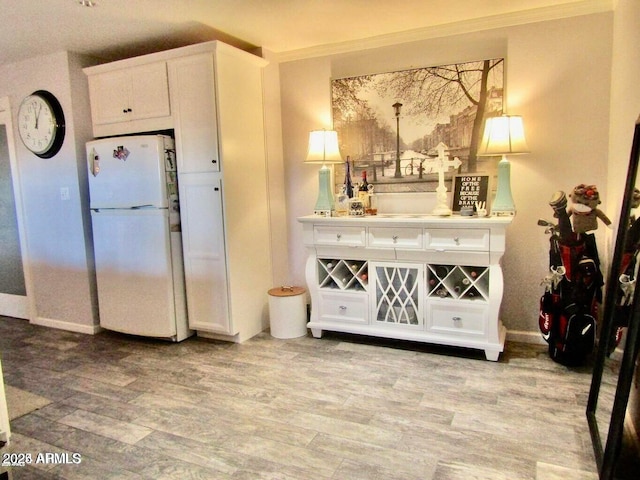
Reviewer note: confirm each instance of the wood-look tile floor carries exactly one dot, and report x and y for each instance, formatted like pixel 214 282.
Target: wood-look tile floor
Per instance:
pixel 340 407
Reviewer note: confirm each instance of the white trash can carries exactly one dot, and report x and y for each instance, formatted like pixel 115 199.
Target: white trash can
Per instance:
pixel 288 312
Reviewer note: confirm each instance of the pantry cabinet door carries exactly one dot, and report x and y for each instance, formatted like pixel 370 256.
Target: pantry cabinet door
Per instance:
pixel 193 98
pixel 203 242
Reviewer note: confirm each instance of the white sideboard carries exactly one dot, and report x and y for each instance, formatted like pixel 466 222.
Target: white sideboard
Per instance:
pixel 413 277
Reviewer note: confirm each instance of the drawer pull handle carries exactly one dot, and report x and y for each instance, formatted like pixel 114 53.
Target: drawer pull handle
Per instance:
pixel 395 238
pixel 342 308
pixel 338 236
pixel 457 319
pixel 456 240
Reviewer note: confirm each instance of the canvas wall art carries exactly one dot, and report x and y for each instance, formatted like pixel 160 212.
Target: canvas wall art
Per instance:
pixel 391 125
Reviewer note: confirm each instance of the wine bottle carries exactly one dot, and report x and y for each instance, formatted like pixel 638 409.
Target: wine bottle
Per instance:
pixel 472 293
pixel 461 285
pixel 363 191
pixel 442 271
pixel 442 292
pixel 364 185
pixel 348 185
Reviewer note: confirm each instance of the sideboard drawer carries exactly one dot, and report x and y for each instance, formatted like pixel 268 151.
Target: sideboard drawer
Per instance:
pixel 442 239
pixel 457 319
pixel 344 307
pixel 386 237
pixel 342 236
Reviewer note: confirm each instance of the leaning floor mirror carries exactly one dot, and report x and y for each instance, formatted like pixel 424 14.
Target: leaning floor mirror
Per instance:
pixel 612 409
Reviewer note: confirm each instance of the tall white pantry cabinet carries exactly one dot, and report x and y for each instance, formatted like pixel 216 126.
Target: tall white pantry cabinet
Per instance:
pixel 216 112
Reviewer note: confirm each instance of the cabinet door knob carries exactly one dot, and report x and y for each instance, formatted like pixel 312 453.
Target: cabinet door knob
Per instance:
pixel 338 236
pixel 395 238
pixel 456 319
pixel 214 161
pixel 456 240
pixel 216 189
pixel 342 308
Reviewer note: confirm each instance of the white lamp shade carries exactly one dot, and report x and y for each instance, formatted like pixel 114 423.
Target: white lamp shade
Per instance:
pixel 323 147
pixel 503 135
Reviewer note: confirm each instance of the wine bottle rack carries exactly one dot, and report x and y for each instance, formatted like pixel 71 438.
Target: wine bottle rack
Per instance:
pixel 458 282
pixel 341 274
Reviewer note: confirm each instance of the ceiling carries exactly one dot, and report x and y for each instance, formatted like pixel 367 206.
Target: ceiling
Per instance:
pixel 115 29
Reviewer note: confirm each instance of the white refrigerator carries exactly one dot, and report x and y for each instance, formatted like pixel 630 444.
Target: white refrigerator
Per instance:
pixel 137 242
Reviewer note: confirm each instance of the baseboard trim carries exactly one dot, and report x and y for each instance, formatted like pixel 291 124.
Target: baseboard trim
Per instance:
pixel 69 326
pixel 525 337
pixel 15 306
pixel 512 335
pixel 218 336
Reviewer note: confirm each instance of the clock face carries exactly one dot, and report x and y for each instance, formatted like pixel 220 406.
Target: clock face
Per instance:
pixel 41 124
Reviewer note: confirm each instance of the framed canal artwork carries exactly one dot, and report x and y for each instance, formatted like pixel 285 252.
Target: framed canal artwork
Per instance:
pixel 392 125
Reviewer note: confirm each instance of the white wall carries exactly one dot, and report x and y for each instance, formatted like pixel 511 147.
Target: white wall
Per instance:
pixel 557 78
pixel 275 172
pixel 625 96
pixel 58 235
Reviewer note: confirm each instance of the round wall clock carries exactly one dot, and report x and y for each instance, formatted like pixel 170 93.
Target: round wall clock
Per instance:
pixel 41 123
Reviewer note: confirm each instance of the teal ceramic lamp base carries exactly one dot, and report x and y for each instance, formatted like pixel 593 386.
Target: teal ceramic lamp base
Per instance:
pixel 503 204
pixel 325 203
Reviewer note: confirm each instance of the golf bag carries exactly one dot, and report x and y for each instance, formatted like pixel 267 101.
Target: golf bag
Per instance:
pixel 573 290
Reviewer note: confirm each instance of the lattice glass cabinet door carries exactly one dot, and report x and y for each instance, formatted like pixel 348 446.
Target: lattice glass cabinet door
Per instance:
pixel 398 294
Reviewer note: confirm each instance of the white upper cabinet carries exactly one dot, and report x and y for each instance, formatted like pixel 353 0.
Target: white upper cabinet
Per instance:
pixel 193 96
pixel 130 100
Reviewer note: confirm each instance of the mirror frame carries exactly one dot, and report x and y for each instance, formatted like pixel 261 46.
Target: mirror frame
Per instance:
pixel 607 448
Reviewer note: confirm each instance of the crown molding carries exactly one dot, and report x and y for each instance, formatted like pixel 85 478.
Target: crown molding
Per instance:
pixel 554 12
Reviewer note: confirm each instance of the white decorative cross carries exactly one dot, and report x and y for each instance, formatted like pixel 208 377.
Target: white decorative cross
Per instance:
pixel 441 165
